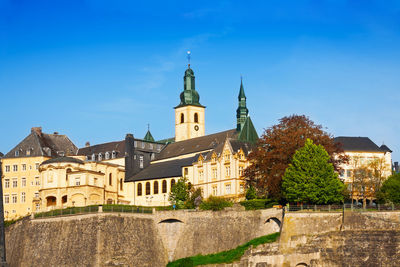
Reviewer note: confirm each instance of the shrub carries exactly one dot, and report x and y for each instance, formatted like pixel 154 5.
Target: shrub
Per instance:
pixel 251 193
pixel 256 204
pixel 215 203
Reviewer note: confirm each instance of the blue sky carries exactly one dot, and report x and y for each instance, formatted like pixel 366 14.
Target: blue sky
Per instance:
pixel 96 70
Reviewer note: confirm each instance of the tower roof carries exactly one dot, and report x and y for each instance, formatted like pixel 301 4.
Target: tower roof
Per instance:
pixel 148 137
pixel 248 133
pixel 189 96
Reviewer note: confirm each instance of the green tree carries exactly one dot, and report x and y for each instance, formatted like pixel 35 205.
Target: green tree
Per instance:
pixel 311 178
pixel 390 190
pixel 275 150
pixel 251 193
pixel 179 193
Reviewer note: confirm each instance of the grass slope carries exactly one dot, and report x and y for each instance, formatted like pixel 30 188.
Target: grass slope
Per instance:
pixel 228 256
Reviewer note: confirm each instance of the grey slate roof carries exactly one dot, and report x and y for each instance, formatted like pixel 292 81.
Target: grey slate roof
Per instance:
pixel 118 147
pixel 361 144
pixel 195 145
pixel 385 148
pixel 62 159
pixel 165 169
pixel 42 144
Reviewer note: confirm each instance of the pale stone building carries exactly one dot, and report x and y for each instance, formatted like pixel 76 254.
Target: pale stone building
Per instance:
pixel 71 182
pixel 363 153
pixel 21 177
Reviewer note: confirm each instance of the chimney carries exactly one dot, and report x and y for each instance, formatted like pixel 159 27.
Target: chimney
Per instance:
pixel 37 130
pixel 87 144
pixel 55 133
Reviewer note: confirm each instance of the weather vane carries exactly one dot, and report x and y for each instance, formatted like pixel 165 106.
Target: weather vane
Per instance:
pixel 188 57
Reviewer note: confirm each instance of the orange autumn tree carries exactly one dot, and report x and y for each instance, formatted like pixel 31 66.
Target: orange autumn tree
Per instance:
pixel 275 150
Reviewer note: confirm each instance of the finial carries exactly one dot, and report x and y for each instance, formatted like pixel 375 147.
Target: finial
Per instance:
pixel 188 57
pixel 148 127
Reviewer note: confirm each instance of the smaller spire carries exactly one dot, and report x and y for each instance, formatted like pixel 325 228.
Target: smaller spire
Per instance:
pixel 148 137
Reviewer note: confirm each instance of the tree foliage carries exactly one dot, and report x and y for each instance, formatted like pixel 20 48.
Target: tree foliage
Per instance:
pixel 311 178
pixel 367 178
pixel 390 190
pixel 179 193
pixel 276 148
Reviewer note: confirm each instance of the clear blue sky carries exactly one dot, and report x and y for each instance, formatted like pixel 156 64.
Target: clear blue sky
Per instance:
pixel 96 70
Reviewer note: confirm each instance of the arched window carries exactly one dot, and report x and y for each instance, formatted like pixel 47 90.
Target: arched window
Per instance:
pixel 107 155
pixel 155 187
pixel 196 117
pixel 110 179
pixel 113 154
pixel 148 188
pixel 139 189
pixel 93 157
pixel 172 183
pixel 164 186
pixel 100 157
pixel 182 118
pixel 121 185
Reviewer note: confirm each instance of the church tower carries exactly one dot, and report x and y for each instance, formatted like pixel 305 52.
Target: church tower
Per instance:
pixel 189 114
pixel 242 111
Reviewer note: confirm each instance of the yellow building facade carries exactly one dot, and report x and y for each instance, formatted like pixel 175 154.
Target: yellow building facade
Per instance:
pixel 72 182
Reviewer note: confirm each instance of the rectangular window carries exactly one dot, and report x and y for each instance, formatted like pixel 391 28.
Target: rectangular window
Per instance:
pixel 151 146
pixel 36 194
pixel 348 173
pixel 37 181
pixel 228 189
pixel 143 144
pixel 6 183
pixel 240 171
pixel 15 182
pixel 141 161
pixel 23 197
pixel 227 171
pixel 241 188
pixel 135 143
pixel 6 199
pixel 24 167
pixel 37 166
pixel 7 168
pixel 78 181
pixel 186 172
pixel 201 175
pixel 14 198
pixel 215 190
pixel 341 173
pixel 95 181
pixel 214 173
pixel 23 182
pixel 37 206
pixel 15 168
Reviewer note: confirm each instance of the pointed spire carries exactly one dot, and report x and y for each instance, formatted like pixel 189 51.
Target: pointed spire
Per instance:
pixel 242 111
pixel 241 92
pixel 148 137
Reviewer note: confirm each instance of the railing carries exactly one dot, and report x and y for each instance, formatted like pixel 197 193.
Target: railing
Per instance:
pixel 341 208
pixel 93 209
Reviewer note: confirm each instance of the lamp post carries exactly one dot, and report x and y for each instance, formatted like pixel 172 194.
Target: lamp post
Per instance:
pixel 2 235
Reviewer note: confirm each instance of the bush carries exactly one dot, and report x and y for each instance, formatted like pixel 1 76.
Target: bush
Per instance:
pixel 390 190
pixel 215 203
pixel 251 193
pixel 256 204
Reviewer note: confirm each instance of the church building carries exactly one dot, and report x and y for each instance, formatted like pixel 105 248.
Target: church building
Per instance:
pixel 214 163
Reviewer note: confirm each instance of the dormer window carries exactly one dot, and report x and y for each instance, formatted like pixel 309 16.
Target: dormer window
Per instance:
pixel 17 153
pixel 107 155
pixel 143 144
pixel 113 154
pixel 151 146
pixel 93 157
pixel 100 157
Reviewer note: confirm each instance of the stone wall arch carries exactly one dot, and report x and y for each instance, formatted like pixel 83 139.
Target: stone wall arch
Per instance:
pixel 171 220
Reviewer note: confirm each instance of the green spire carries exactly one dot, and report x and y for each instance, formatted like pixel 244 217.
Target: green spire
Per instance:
pixel 242 111
pixel 148 137
pixel 189 96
